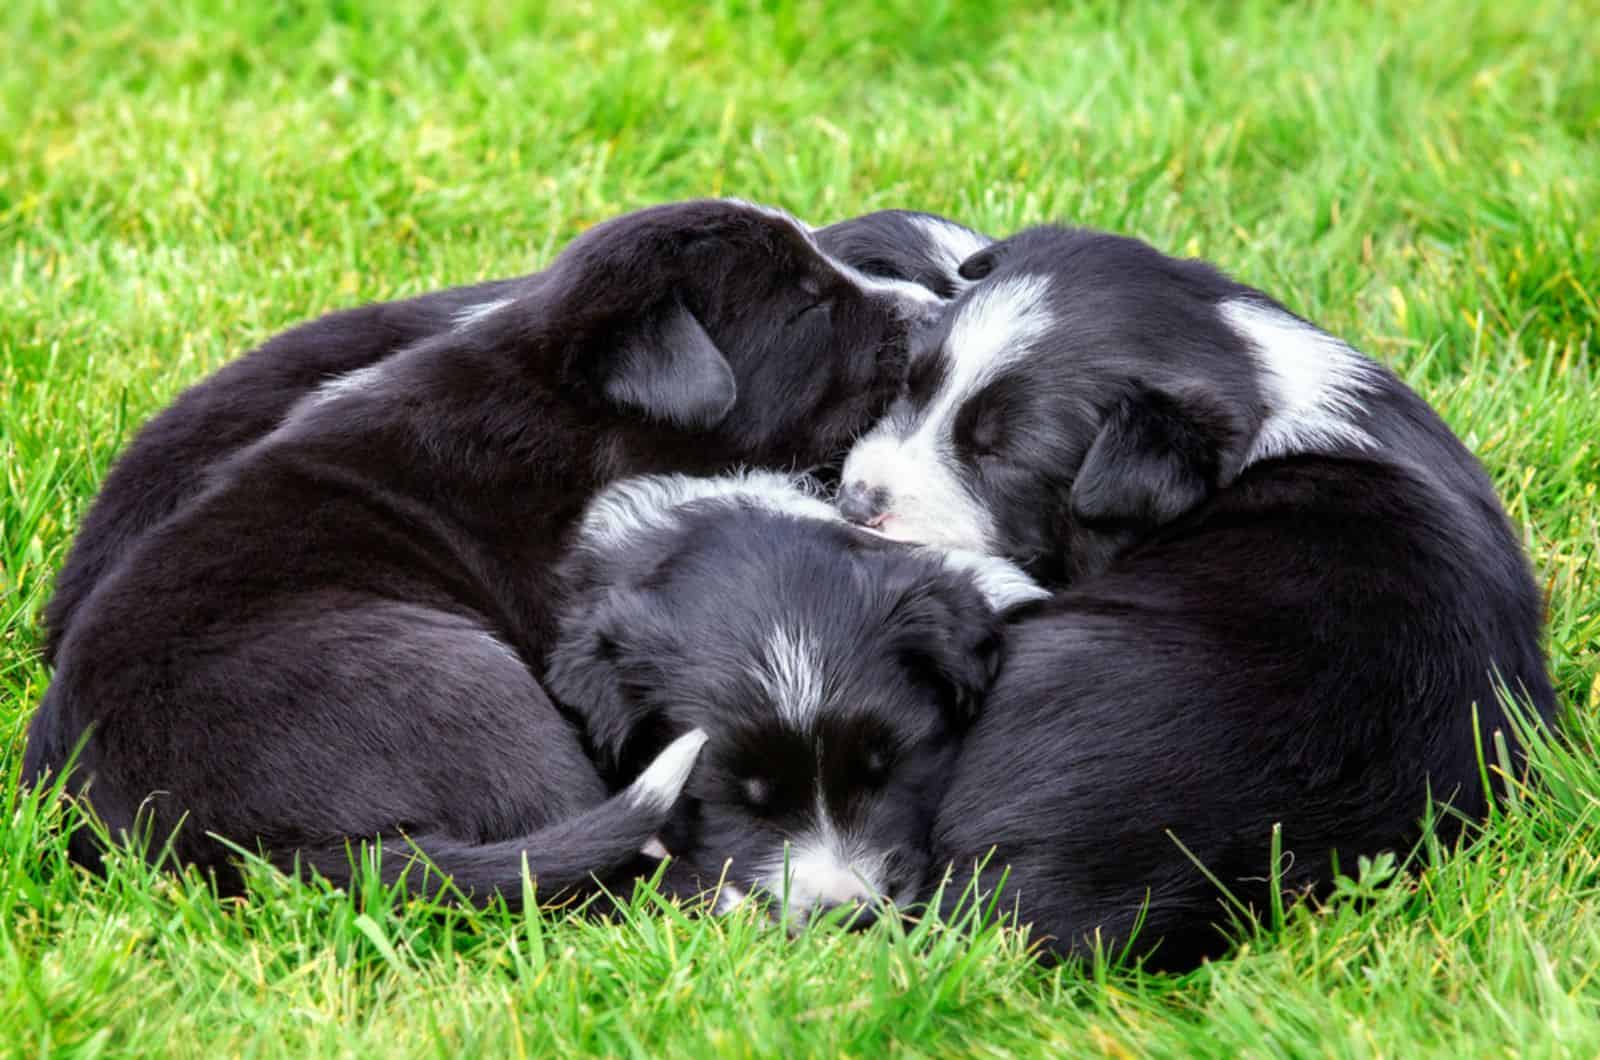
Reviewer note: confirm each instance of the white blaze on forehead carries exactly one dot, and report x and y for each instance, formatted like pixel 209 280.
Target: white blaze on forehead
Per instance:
pixel 790 673
pixel 1312 382
pixel 914 461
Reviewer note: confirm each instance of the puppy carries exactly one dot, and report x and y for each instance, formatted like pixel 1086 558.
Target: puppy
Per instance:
pixel 332 640
pixel 1291 595
pixel 168 461
pixel 832 672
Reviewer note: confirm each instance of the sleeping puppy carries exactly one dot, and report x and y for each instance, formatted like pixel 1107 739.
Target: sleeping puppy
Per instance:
pixel 832 672
pixel 1291 595
pixel 332 641
pixel 168 460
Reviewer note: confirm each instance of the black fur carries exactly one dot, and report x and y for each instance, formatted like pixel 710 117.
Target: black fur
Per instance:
pixel 1300 637
pixel 671 629
pixel 168 461
pixel 332 639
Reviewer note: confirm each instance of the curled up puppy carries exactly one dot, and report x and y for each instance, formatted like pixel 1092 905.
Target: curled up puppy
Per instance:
pixel 335 639
pixel 832 671
pixel 1289 597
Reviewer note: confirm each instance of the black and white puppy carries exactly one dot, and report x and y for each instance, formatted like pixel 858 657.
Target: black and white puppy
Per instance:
pixel 1291 598
pixel 334 640
pixel 832 671
pixel 168 461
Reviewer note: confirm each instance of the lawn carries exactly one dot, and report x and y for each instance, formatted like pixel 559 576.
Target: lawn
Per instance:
pixel 180 181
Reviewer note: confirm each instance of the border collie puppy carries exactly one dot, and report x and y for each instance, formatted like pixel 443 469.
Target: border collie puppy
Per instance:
pixel 332 641
pixel 1291 595
pixel 168 461
pixel 831 671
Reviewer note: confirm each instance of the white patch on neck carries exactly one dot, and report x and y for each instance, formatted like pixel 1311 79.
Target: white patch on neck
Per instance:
pixel 647 503
pixel 658 787
pixel 470 315
pixel 1311 381
pixel 916 463
pixel 790 674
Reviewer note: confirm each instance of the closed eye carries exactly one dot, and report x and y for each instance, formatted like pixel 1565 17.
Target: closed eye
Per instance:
pixel 822 306
pixel 882 269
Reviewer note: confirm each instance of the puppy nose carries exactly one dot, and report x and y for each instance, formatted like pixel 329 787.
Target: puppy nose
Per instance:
pixel 862 505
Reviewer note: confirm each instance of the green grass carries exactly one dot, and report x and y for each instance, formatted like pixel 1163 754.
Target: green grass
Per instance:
pixel 179 181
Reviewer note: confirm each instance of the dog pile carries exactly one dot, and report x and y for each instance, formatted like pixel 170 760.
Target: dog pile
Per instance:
pixel 840 564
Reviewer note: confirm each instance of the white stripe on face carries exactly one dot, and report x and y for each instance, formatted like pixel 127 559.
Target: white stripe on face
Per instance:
pixel 914 462
pixel 791 677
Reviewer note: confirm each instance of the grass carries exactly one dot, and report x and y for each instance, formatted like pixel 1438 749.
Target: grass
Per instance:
pixel 179 181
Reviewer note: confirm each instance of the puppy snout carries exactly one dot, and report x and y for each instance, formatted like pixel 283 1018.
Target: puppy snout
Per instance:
pixel 862 504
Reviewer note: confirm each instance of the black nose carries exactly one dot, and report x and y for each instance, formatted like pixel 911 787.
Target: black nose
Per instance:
pixel 861 505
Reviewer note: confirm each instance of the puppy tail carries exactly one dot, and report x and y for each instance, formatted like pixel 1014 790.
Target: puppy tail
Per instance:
pixel 608 846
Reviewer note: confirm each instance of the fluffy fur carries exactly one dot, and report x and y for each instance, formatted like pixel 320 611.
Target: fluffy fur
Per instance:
pixel 168 461
pixel 832 671
pixel 332 638
pixel 1288 588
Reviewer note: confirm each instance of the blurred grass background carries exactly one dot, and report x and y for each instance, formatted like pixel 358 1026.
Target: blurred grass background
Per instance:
pixel 180 181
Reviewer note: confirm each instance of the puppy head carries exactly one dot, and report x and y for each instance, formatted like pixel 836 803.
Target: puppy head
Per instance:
pixel 729 320
pixel 1085 391
pixel 832 671
pixel 921 248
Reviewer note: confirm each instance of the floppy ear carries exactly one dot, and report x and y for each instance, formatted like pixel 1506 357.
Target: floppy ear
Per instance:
pixel 668 368
pixel 947 638
pixel 595 674
pixel 982 263
pixel 1157 456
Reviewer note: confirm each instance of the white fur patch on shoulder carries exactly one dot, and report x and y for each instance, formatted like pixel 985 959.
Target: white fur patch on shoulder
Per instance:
pixel 790 674
pixel 1313 383
pixel 954 243
pixel 470 315
pixel 1003 584
pixel 659 786
pixel 648 503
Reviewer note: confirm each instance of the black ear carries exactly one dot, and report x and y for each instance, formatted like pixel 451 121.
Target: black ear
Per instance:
pixel 595 673
pixel 980 264
pixel 668 368
pixel 1157 456
pixel 947 638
